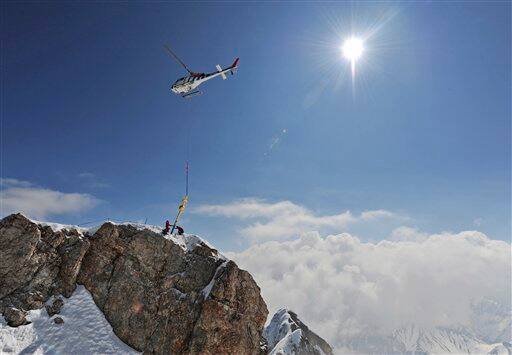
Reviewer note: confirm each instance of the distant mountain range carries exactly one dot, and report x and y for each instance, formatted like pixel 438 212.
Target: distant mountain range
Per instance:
pixel 489 333
pixel 416 340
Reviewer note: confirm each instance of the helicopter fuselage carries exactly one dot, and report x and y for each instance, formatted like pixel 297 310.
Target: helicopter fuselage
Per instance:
pixel 186 85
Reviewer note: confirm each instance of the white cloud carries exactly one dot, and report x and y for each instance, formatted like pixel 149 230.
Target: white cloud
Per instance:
pixel 284 219
pixel 340 286
pixel 368 215
pixel 410 234
pixel 6 182
pixel 36 202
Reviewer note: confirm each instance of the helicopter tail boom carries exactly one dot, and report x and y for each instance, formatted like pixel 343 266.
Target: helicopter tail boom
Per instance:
pixel 230 69
pixel 221 72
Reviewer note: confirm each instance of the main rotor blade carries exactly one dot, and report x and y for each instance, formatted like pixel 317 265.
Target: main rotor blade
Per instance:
pixel 176 57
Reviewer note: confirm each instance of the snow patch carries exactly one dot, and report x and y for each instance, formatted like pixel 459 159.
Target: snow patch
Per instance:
pixel 208 288
pixel 289 344
pixel 57 227
pixel 189 241
pixel 85 331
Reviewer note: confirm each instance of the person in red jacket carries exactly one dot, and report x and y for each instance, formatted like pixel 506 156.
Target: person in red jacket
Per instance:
pixel 167 227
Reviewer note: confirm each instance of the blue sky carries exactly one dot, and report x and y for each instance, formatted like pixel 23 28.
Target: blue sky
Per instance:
pixel 424 133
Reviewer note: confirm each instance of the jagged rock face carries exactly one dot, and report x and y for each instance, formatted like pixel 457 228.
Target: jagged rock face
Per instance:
pixel 160 298
pixel 286 334
pixel 36 262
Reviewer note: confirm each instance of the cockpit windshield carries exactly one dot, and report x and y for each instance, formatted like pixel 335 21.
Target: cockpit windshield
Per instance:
pixel 179 81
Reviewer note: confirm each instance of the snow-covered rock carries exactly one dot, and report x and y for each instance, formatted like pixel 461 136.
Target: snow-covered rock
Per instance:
pixel 287 335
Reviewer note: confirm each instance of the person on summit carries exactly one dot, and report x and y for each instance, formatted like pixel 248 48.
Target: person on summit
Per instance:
pixel 167 228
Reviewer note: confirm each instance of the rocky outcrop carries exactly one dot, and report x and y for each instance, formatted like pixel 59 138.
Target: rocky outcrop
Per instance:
pixel 286 334
pixel 161 295
pixel 55 307
pixel 36 262
pixel 15 317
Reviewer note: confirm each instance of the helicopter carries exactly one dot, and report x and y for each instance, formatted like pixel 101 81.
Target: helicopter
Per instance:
pixel 186 86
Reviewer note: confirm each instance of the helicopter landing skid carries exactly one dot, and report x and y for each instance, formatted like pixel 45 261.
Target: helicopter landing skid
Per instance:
pixel 192 94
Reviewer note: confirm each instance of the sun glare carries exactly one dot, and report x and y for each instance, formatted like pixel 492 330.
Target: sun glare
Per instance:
pixel 352 49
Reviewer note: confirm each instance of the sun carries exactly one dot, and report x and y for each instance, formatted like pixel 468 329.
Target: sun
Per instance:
pixel 352 48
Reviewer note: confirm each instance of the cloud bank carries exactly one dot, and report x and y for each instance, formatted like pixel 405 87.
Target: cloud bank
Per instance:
pixel 284 219
pixel 37 202
pixel 341 286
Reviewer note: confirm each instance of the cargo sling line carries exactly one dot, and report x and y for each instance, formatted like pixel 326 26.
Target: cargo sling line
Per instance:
pixel 184 201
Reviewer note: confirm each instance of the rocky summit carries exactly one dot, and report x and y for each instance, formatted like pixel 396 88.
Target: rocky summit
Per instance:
pixel 160 294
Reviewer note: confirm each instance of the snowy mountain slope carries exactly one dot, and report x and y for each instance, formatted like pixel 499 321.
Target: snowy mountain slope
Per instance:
pixel 286 335
pixel 440 341
pixel 504 348
pixel 84 331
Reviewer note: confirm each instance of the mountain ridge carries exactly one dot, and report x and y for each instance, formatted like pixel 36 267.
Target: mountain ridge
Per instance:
pixel 287 334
